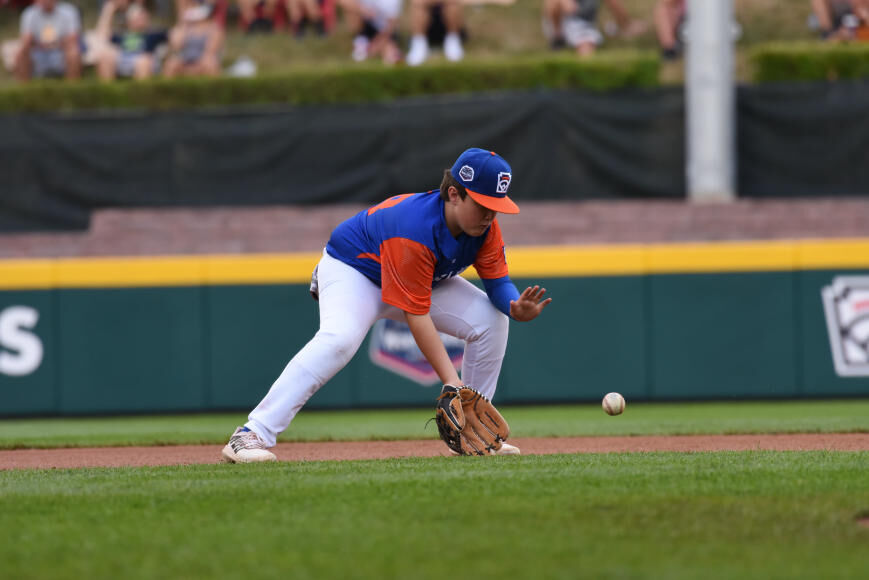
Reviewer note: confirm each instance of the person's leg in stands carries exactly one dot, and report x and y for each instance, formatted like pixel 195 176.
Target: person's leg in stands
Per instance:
pixel 586 48
pixel 268 9
pixel 667 16
pixel 72 58
pixel 553 21
pixel 454 19
pixel 208 65
pixel 300 11
pixel 143 67
pixel 107 63
pixel 23 64
pixel 246 12
pixel 172 67
pixel 360 29
pixel 419 20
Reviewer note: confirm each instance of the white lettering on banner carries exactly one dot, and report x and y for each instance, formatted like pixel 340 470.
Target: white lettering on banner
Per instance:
pixel 400 341
pixel 20 350
pixel 393 347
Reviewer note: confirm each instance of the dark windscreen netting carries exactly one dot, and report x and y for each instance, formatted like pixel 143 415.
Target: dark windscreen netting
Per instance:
pixel 792 140
pixel 562 145
pixel 804 140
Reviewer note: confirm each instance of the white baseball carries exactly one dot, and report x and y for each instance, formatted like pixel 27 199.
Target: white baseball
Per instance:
pixel 613 404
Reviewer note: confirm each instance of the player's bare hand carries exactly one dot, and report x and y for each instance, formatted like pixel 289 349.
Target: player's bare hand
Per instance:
pixel 529 305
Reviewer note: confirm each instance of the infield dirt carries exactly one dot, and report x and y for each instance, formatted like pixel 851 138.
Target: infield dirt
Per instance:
pixel 76 457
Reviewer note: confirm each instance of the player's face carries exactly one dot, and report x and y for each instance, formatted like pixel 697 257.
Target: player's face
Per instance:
pixel 472 217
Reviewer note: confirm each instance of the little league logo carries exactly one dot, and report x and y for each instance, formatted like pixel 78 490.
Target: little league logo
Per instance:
pixel 504 182
pixel 466 173
pixel 393 348
pixel 846 307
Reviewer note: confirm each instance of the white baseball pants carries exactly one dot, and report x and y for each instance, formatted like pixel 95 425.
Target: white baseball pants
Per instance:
pixel 350 304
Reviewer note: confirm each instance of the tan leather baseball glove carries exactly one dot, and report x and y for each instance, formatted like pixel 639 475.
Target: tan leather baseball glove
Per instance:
pixel 468 422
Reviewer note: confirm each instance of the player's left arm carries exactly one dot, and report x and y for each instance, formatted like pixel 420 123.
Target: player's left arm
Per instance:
pixel 506 297
pixel 491 265
pixel 529 305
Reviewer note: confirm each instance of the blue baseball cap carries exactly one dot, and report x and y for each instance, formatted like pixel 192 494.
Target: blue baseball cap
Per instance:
pixel 486 177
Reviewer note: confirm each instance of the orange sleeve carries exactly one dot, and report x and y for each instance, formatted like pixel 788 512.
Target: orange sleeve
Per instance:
pixel 491 262
pixel 406 273
pixel 392 201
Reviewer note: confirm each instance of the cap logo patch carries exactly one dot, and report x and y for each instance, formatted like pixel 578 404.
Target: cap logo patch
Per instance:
pixel 466 173
pixel 503 182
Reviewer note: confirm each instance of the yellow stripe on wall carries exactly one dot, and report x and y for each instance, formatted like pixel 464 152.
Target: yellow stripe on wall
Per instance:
pixel 722 257
pixel 524 262
pixel 127 272
pixel 260 268
pixel 26 274
pixel 566 261
pixel 853 253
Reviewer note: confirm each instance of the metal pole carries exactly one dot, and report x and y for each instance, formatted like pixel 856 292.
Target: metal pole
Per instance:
pixel 711 164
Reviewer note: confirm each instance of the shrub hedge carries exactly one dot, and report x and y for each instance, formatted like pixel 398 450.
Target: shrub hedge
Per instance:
pixel 809 62
pixel 774 62
pixel 364 83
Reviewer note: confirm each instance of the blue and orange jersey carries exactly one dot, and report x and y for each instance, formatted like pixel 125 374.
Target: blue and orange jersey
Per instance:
pixel 404 246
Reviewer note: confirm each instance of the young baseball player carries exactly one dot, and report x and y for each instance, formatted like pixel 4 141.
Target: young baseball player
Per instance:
pixel 401 259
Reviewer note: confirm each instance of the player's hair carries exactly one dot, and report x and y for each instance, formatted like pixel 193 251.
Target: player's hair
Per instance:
pixel 447 182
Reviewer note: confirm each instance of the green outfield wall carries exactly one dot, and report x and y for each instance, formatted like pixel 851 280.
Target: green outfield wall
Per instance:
pixel 655 322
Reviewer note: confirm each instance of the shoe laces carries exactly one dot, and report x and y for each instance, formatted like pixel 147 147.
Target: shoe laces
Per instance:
pixel 248 440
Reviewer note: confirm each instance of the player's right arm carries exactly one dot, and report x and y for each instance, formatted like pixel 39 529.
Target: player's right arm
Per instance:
pixel 406 271
pixel 429 342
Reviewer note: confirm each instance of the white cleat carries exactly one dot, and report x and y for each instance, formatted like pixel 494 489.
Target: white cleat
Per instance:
pixel 246 447
pixel 418 52
pixel 453 50
pixel 507 449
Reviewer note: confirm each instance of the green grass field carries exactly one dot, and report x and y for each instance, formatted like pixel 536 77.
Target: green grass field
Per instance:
pixel 754 514
pixel 659 515
pixel 544 421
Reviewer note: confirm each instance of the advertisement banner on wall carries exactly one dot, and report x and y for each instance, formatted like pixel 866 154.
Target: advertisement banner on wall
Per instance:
pixel 846 307
pixel 21 349
pixel 28 379
pixel 393 348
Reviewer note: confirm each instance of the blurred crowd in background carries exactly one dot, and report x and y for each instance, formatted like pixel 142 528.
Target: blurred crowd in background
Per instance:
pixel 129 42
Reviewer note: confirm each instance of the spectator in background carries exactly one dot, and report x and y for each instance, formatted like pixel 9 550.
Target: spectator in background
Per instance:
pixel 219 9
pixel 275 15
pixel 301 12
pixel 131 52
pixel 259 15
pixel 375 23
pixel 16 4
pixel 841 20
pixel 196 43
pixel 50 44
pixel 436 22
pixel 573 23
pixel 669 20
